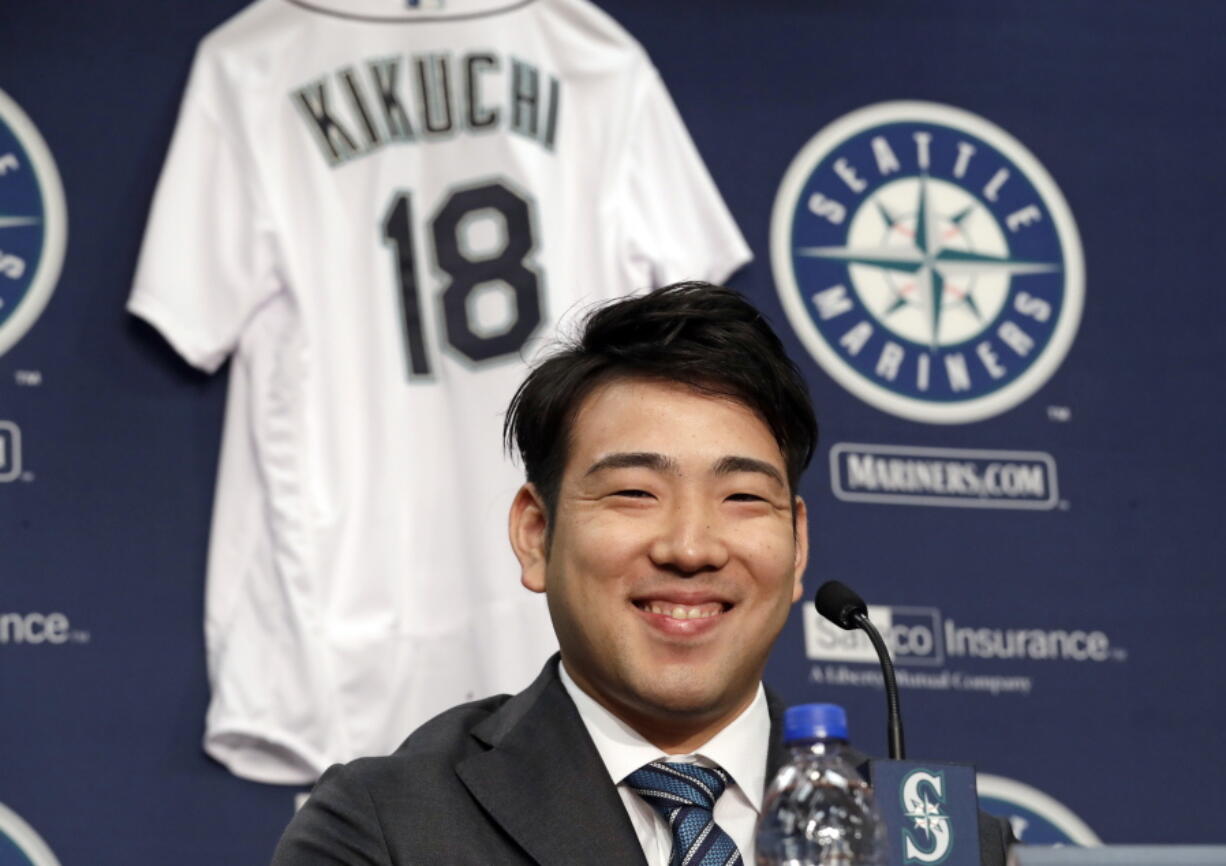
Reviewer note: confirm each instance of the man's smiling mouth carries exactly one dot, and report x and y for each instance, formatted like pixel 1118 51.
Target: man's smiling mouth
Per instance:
pixel 683 611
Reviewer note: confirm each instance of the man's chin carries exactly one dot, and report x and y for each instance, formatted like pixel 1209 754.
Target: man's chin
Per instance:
pixel 683 695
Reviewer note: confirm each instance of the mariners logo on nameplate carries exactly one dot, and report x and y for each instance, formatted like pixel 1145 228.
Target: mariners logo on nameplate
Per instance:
pixel 927 261
pixel 33 223
pixel 932 810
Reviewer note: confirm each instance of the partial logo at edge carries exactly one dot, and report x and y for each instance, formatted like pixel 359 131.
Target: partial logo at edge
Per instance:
pixel 33 223
pixel 20 845
pixel 1037 818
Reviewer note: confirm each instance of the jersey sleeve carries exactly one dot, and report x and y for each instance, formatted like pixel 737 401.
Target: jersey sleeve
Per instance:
pixel 207 261
pixel 677 225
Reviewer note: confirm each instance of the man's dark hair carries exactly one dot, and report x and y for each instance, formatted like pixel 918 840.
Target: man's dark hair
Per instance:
pixel 696 334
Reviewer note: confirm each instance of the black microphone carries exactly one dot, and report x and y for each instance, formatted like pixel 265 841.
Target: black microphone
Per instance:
pixel 839 603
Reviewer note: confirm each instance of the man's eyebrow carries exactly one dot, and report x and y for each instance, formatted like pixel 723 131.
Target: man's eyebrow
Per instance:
pixel 729 465
pixel 634 460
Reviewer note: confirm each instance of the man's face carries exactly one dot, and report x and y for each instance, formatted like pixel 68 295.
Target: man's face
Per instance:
pixel 674 555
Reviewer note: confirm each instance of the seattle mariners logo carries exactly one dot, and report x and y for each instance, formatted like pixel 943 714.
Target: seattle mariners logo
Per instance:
pixel 33 223
pixel 1037 818
pixel 20 845
pixel 923 794
pixel 927 261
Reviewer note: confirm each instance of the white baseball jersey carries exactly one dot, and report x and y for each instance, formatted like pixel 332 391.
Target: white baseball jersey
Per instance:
pixel 380 212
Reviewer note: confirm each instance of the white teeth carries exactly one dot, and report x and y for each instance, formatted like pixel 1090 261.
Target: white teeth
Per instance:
pixel 680 611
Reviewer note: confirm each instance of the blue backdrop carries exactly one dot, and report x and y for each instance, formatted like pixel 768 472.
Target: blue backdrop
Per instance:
pixel 1047 573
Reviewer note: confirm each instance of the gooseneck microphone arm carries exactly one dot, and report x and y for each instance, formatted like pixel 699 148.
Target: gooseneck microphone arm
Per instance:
pixel 841 605
pixel 893 714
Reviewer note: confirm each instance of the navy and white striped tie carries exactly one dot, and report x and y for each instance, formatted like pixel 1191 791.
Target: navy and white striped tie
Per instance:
pixel 685 795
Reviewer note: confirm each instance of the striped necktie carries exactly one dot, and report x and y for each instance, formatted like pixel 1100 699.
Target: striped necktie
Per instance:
pixel 685 795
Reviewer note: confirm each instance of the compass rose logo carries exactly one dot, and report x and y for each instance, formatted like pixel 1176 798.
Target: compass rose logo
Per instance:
pixel 927 261
pixel 33 223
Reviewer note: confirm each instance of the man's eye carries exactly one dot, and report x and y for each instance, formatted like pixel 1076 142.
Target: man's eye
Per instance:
pixel 746 497
pixel 634 494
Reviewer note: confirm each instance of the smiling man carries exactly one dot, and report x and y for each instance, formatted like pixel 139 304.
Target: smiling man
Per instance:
pixel 661 520
pixel 675 549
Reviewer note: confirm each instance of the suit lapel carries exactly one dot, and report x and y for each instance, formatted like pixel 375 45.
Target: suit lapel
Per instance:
pixel 544 783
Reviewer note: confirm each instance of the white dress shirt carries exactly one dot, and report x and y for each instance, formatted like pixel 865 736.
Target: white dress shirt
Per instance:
pixel 739 749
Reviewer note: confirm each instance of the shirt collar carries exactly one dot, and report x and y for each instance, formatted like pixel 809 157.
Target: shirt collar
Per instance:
pixel 740 748
pixel 398 10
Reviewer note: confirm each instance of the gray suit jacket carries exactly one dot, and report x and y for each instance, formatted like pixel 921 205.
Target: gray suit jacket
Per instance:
pixel 505 780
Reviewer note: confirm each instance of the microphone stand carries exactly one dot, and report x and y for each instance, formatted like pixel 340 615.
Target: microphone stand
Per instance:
pixel 893 715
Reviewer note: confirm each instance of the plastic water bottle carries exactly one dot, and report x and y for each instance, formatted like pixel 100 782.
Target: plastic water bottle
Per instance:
pixel 819 811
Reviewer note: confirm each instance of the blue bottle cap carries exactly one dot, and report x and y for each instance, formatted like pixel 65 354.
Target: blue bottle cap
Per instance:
pixel 814 722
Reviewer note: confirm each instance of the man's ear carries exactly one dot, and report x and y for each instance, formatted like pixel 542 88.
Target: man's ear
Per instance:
pixel 529 528
pixel 800 520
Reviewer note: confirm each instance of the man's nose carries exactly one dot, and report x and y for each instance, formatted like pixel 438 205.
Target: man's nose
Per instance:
pixel 690 539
